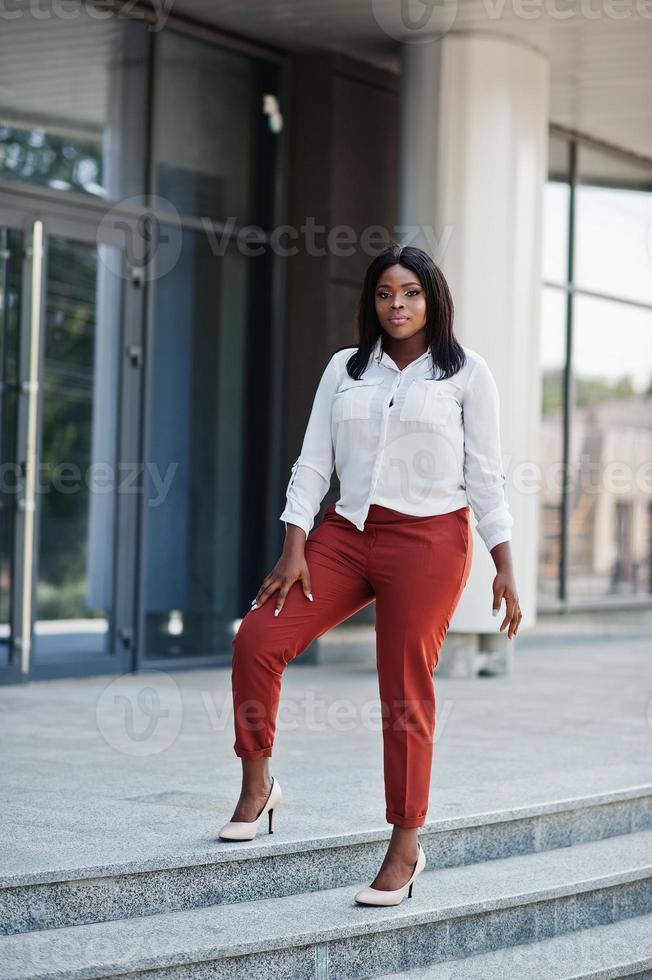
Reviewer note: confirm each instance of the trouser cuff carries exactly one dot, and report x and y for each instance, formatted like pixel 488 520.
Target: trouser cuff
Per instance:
pixel 403 821
pixel 253 753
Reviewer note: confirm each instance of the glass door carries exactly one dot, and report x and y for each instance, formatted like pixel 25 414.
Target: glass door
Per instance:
pixel 213 347
pixel 69 323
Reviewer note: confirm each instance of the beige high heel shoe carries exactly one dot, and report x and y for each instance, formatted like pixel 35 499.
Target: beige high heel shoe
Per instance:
pixel 376 896
pixel 247 829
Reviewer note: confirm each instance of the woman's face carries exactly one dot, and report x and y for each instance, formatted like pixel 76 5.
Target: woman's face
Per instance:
pixel 400 302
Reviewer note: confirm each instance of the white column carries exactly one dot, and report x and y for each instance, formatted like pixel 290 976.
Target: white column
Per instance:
pixel 474 143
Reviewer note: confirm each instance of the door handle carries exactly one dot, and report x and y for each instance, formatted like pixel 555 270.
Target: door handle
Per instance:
pixel 126 636
pixel 30 386
pixel 135 354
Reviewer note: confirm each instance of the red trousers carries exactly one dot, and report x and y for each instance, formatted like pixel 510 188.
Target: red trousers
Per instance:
pixel 415 568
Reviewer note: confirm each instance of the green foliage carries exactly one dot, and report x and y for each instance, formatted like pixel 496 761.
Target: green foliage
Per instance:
pixel 588 391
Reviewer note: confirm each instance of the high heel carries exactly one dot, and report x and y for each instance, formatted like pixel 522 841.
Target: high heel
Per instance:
pixel 376 896
pixel 247 829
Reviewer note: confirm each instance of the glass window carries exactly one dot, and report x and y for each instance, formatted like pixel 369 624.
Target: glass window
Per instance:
pixel 611 450
pixel 613 221
pixel 214 145
pixel 552 359
pixel 555 214
pixel 609 505
pixel 67 85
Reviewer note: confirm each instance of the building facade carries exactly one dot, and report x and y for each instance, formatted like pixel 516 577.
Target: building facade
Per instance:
pixel 186 215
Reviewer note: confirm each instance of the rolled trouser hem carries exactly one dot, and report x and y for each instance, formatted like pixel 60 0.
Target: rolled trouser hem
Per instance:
pixel 402 821
pixel 254 753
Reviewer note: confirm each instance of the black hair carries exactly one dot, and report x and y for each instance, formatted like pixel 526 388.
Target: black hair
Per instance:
pixel 447 353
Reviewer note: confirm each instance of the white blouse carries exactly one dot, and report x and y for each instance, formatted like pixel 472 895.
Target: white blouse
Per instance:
pixel 404 440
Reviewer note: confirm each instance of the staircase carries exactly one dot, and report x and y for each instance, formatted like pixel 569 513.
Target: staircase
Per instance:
pixel 553 891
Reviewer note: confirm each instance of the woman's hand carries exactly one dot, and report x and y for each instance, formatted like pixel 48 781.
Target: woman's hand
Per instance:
pixel 504 587
pixel 290 568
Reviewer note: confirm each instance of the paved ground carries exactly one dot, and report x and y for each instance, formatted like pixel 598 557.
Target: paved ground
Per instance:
pixel 140 771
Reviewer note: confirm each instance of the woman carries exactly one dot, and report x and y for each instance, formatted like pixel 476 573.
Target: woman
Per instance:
pixel 410 421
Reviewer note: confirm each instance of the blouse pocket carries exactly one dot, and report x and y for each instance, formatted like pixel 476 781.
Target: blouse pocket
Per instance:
pixel 430 402
pixel 353 400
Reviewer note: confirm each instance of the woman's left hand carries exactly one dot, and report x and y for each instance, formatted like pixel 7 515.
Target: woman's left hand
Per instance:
pixel 504 587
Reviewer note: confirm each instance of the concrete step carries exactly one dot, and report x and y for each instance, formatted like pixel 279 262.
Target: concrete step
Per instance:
pixel 620 949
pixel 454 912
pixel 273 866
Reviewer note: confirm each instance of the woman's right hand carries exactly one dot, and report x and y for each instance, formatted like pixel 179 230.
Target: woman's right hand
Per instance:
pixel 290 568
